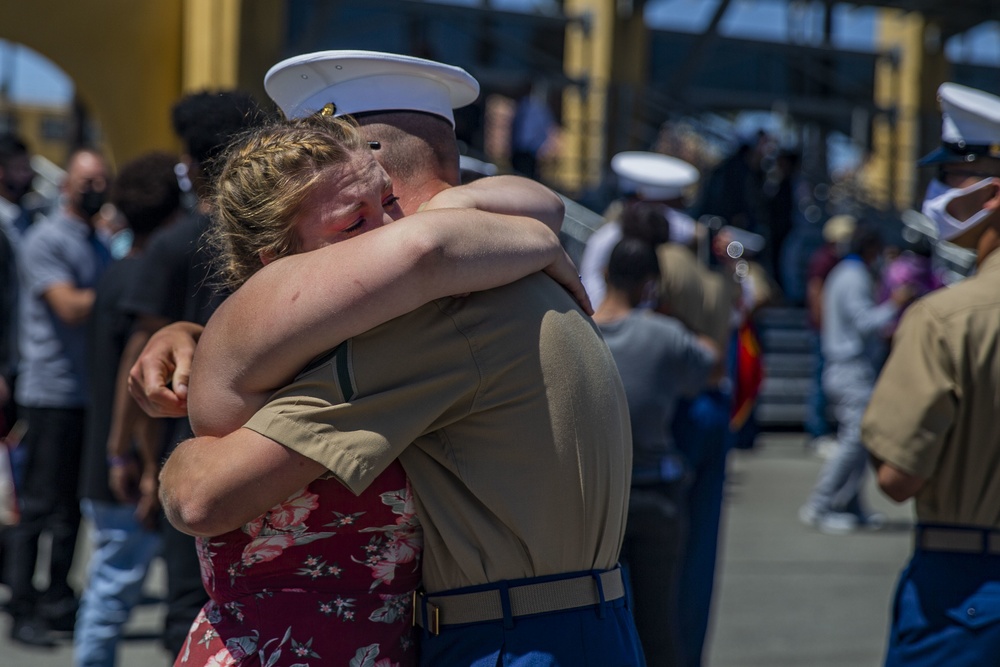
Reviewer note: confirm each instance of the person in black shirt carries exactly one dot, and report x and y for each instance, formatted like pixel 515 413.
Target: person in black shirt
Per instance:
pixel 118 474
pixel 176 284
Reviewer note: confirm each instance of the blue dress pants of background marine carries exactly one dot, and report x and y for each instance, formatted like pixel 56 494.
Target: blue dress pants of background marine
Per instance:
pixel 701 432
pixel 946 611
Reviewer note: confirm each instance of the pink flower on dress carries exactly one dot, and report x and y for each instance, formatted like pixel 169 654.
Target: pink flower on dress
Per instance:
pixel 221 659
pixel 294 511
pixel 264 549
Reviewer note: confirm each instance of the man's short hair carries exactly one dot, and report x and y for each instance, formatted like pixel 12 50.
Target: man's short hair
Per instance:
pixel 11 146
pixel 632 264
pixel 207 121
pixel 147 192
pixel 866 240
pixel 413 142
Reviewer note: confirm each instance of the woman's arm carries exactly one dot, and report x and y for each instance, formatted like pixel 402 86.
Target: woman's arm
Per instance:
pixel 300 306
pixel 510 195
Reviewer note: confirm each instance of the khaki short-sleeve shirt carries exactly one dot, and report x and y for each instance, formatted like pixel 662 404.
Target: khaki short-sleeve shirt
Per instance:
pixel 700 298
pixel 935 406
pixel 521 455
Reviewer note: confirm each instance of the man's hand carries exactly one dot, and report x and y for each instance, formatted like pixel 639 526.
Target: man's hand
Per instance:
pixel 158 380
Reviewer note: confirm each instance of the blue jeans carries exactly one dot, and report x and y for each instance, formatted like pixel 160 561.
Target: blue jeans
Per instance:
pixel 816 422
pixel 123 550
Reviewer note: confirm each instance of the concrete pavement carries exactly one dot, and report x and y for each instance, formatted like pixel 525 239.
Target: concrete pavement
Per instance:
pixel 786 595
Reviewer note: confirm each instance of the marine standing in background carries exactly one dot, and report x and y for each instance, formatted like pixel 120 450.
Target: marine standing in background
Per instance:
pixel 931 423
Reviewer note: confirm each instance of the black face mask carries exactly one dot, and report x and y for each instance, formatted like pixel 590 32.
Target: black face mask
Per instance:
pixel 91 202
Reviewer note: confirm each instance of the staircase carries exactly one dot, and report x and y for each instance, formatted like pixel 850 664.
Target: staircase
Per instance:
pixel 788 345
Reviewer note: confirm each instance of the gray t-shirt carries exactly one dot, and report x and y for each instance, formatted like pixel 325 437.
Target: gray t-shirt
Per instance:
pixel 659 361
pixel 59 249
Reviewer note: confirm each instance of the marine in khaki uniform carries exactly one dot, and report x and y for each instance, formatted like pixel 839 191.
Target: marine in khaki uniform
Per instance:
pixel 931 424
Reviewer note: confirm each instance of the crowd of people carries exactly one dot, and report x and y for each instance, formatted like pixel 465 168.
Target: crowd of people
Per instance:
pixel 433 442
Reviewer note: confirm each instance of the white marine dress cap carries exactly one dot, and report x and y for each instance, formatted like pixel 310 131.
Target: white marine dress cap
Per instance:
pixel 653 176
pixel 353 82
pixel 970 126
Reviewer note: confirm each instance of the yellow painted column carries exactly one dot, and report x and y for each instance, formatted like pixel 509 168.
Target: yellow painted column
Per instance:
pixel 911 88
pixel 587 58
pixel 211 44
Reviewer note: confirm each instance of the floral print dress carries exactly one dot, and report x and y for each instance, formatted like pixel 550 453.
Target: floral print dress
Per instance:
pixel 324 578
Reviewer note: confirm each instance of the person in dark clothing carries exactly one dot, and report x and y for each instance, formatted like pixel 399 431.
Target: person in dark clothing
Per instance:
pixel 176 285
pixel 118 475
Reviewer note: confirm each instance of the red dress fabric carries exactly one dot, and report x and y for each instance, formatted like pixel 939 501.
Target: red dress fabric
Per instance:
pixel 324 578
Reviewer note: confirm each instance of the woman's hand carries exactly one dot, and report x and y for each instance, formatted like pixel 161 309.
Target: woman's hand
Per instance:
pixel 564 272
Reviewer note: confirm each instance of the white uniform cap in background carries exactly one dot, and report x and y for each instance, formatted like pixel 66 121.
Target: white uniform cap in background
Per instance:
pixel 653 176
pixel 970 125
pixel 354 82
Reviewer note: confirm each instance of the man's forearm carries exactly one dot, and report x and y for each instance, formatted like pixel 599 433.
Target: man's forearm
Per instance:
pixel 897 484
pixel 210 486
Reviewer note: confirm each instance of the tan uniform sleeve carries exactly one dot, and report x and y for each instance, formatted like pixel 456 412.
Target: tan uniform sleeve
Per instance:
pixel 357 411
pixel 913 405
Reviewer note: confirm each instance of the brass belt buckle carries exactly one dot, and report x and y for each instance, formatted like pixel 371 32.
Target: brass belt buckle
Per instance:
pixel 433 625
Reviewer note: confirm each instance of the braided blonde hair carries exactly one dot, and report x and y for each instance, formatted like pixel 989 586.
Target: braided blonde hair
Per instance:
pixel 264 178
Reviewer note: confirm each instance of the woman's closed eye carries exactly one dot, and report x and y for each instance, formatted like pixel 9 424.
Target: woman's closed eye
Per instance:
pixel 354 226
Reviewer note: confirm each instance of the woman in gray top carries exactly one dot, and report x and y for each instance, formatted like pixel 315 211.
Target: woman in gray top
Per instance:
pixel 659 360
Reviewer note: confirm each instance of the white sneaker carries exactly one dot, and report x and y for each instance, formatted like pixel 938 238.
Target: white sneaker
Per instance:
pixel 809 516
pixel 838 523
pixel 872 521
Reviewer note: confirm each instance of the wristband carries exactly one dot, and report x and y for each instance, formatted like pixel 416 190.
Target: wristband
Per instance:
pixel 119 461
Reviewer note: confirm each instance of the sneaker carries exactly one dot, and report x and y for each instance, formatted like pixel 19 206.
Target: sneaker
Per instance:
pixel 809 516
pixel 32 631
pixel 838 523
pixel 872 521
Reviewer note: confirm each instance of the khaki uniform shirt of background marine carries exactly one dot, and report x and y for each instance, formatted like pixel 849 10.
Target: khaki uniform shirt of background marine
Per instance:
pixel 702 299
pixel 935 407
pixel 521 456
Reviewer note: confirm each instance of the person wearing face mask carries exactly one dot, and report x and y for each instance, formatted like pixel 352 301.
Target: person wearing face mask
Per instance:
pixel 931 423
pixel 852 345
pixel 62 260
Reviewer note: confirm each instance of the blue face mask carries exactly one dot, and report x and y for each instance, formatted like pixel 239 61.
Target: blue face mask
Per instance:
pixel 121 243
